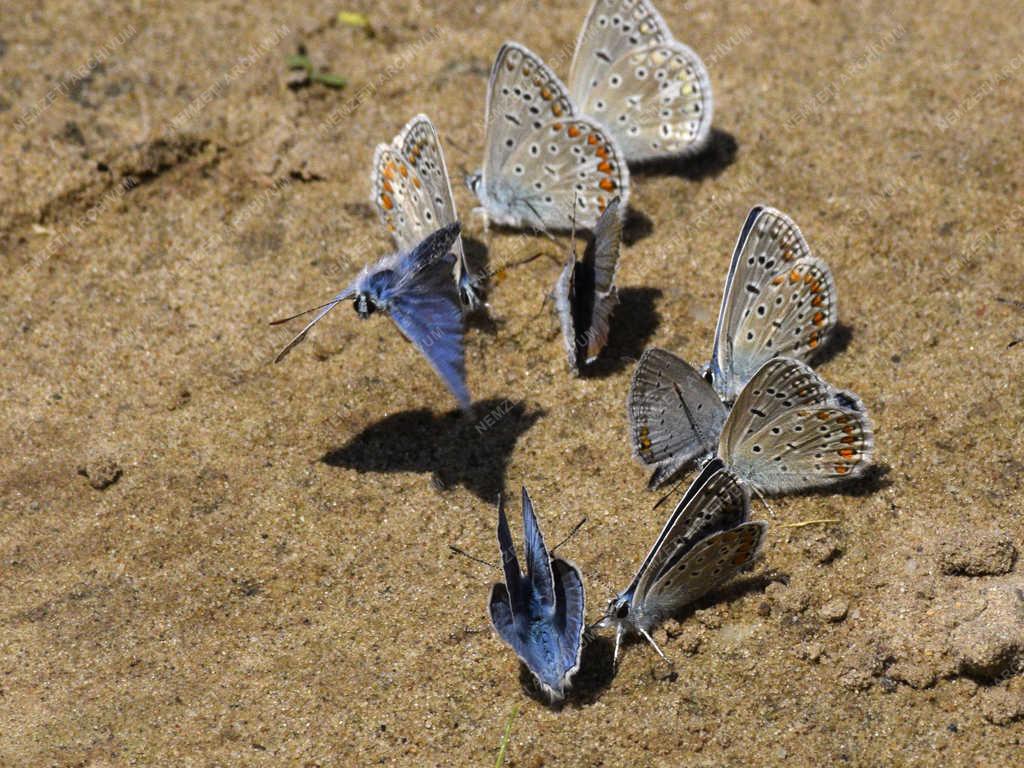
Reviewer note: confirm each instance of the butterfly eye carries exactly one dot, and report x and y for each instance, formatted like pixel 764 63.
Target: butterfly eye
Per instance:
pixel 623 611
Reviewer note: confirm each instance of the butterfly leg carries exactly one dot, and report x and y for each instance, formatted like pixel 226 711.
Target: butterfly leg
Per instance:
pixel 650 640
pixel 618 643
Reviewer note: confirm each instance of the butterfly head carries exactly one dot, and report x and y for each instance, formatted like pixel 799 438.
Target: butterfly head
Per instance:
pixel 473 182
pixel 616 613
pixel 364 304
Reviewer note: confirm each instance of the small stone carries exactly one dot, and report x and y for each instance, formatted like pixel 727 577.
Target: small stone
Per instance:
pixel 788 599
pixel 834 610
pixel 823 551
pixel 989 553
pixel 810 651
pixel 764 609
pixel 101 472
pixel 1003 706
pixel 991 645
pixel 855 680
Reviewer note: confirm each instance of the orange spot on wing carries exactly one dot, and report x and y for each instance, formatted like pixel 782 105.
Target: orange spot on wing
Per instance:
pixel 592 139
pixel 556 127
pixel 573 131
pixel 604 167
pixel 817 301
pixel 545 94
pixel 849 440
pixel 794 276
pixel 556 109
pixel 823 415
pixel 386 202
pixel 842 469
pixel 602 152
pixel 847 453
pixel 819 318
pixel 416 182
pixel 778 280
pixel 607 185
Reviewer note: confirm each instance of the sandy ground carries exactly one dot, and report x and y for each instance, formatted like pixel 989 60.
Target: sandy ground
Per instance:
pixel 207 559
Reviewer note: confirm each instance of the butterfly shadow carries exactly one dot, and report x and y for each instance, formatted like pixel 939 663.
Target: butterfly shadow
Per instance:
pixel 875 478
pixel 595 674
pixel 633 323
pixel 454 449
pixel 636 226
pixel 719 153
pixel 838 343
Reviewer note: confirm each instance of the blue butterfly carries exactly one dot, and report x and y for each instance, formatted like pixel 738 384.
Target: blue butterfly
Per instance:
pixel 540 615
pixel 415 290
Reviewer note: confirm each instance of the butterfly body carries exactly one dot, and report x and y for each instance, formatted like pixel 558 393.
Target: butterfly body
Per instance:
pixel 539 613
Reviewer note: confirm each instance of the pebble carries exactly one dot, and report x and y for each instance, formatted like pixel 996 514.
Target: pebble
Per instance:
pixel 834 610
pixel 988 553
pixel 101 471
pixel 991 645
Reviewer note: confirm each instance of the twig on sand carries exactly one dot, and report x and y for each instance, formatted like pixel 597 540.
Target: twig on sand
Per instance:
pixel 503 747
pixel 805 523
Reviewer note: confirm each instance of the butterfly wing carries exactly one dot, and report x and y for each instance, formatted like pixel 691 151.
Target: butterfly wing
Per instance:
pixel 605 259
pixel 674 415
pixel 709 564
pixel 421 148
pixel 538 562
pixel 564 305
pixel 656 101
pixel 570 610
pixel 541 156
pixel 778 300
pixel 651 91
pixel 612 29
pixel 789 431
pixel 716 501
pixel 425 307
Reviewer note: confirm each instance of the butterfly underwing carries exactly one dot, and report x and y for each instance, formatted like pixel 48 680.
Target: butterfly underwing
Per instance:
pixel 630 74
pixel 545 163
pixel 707 539
pixel 586 295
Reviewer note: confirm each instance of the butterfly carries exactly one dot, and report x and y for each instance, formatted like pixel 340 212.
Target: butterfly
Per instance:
pixel 778 300
pixel 413 195
pixel 539 614
pixel 414 288
pixel 585 294
pixel 651 91
pixel 788 430
pixel 707 539
pixel 542 154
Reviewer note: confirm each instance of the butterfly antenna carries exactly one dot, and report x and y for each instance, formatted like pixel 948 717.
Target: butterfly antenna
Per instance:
pixel 474 558
pixel 300 314
pixel 572 533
